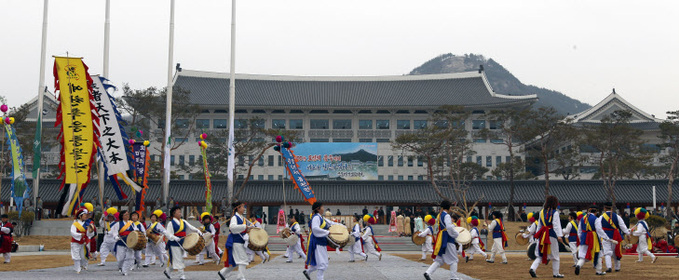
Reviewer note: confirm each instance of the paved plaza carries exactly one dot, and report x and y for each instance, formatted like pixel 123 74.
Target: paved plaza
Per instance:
pixel 391 267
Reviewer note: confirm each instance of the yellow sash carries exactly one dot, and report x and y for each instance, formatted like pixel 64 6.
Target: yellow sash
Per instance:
pixel 574 225
pixel 608 219
pixel 108 226
pixel 439 240
pixel 79 227
pixel 596 246
pixel 125 227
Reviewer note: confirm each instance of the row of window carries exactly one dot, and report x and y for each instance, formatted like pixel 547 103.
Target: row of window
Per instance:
pixel 380 177
pixel 325 124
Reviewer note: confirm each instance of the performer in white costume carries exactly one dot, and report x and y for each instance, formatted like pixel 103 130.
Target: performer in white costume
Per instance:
pixel 79 237
pixel 175 232
pixel 446 246
pixel 477 246
pixel 234 255
pixel 428 232
pixel 296 230
pixel 548 234
pixel 317 257
pixel 154 250
pixel 357 248
pixel 645 240
pixel 109 242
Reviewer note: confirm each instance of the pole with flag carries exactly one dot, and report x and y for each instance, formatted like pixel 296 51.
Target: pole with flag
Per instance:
pixel 232 104
pixel 107 30
pixel 37 143
pixel 168 111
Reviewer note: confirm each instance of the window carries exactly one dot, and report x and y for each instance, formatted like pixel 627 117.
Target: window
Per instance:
pixel 420 178
pixel 441 124
pixel 478 124
pixel 480 140
pixel 260 177
pixel 365 124
pixel 181 160
pixel 410 161
pixel 319 140
pixel 339 140
pixel 390 160
pixel 341 124
pixel 240 124
pixel 192 160
pixel 508 159
pixel 341 112
pixel 489 161
pixel 260 162
pixel 403 124
pixel 390 177
pixel 280 177
pixel 240 177
pixel 494 124
pixel 219 123
pixel 318 112
pixel 296 112
pixel 402 112
pixel 410 177
pixel 479 160
pixel 458 124
pixel 172 160
pixel 382 124
pixel 153 158
pixel 278 124
pixel 496 141
pixel 380 161
pixel 181 177
pixel 469 159
pixel 161 123
pixel 380 177
pixel 241 161
pixel 365 112
pixel 202 123
pixel 382 140
pixel 319 124
pixel 498 160
pixel 258 123
pixel 238 111
pixel 365 140
pixel 270 178
pixel 280 161
pixel 278 112
pixel 400 160
pixel 296 124
pixel 382 112
pixel 270 161
pixel 420 112
pixel 258 112
pixel 400 177
pixel 182 123
pixel 420 124
pixel 420 161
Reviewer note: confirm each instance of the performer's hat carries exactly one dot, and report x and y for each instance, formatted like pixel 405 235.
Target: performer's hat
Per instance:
pixel 429 219
pixel 369 219
pixel 579 215
pixel 4 216
pixel 202 216
pixel 316 206
pixel 81 212
pixel 475 221
pixel 89 207
pixel 641 213
pixel 530 216
pixel 158 213
pixel 608 205
pixel 111 211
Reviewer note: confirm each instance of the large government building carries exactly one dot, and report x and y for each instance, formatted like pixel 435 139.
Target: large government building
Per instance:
pixel 347 109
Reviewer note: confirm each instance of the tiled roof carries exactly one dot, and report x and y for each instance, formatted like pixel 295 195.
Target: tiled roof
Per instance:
pixel 388 192
pixel 466 89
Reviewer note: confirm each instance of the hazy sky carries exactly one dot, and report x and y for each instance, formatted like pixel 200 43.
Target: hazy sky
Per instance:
pixel 582 48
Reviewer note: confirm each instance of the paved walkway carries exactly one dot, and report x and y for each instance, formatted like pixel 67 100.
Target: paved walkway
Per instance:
pixel 391 267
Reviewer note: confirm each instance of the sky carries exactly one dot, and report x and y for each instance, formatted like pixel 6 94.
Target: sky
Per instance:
pixel 581 48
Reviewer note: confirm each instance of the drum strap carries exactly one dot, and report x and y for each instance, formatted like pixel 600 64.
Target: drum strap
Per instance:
pixel 125 227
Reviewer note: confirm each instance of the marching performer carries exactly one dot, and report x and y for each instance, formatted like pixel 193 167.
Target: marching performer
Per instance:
pixel 234 255
pixel 120 230
pixel 548 233
pixel 6 239
pixel 138 226
pixel 218 229
pixel 571 234
pixel 91 245
pixel 445 250
pixel 590 245
pixel 371 245
pixel 499 238
pixel 357 248
pixel 645 240
pixel 477 246
pixel 428 233
pixel 317 257
pixel 80 236
pixel 109 243
pixel 298 247
pixel 209 249
pixel 156 250
pixel 175 232
pixel 609 227
pixel 264 254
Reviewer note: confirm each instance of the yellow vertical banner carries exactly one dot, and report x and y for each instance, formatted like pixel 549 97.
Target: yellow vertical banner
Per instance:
pixel 77 118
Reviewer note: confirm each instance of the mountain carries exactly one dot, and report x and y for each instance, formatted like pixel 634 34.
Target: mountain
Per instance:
pixel 361 155
pixel 501 80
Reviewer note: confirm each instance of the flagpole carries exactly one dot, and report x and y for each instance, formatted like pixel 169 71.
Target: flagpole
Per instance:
pixel 107 32
pixel 168 111
pixel 41 95
pixel 232 105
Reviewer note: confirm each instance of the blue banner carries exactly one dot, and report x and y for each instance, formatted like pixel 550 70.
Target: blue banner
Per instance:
pixel 297 177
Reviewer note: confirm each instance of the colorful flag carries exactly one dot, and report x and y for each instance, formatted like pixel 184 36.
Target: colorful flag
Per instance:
pixel 298 179
pixel 208 184
pixel 112 137
pixel 78 120
pixel 20 189
pixel 141 169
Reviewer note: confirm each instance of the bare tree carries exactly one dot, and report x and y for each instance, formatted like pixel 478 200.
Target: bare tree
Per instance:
pixel 669 133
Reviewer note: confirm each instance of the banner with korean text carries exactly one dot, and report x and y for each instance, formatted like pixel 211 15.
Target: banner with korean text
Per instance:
pixel 141 170
pixel 79 128
pixel 337 161
pixel 298 179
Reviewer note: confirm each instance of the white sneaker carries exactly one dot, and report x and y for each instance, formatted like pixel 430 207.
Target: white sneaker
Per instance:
pixel 100 264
